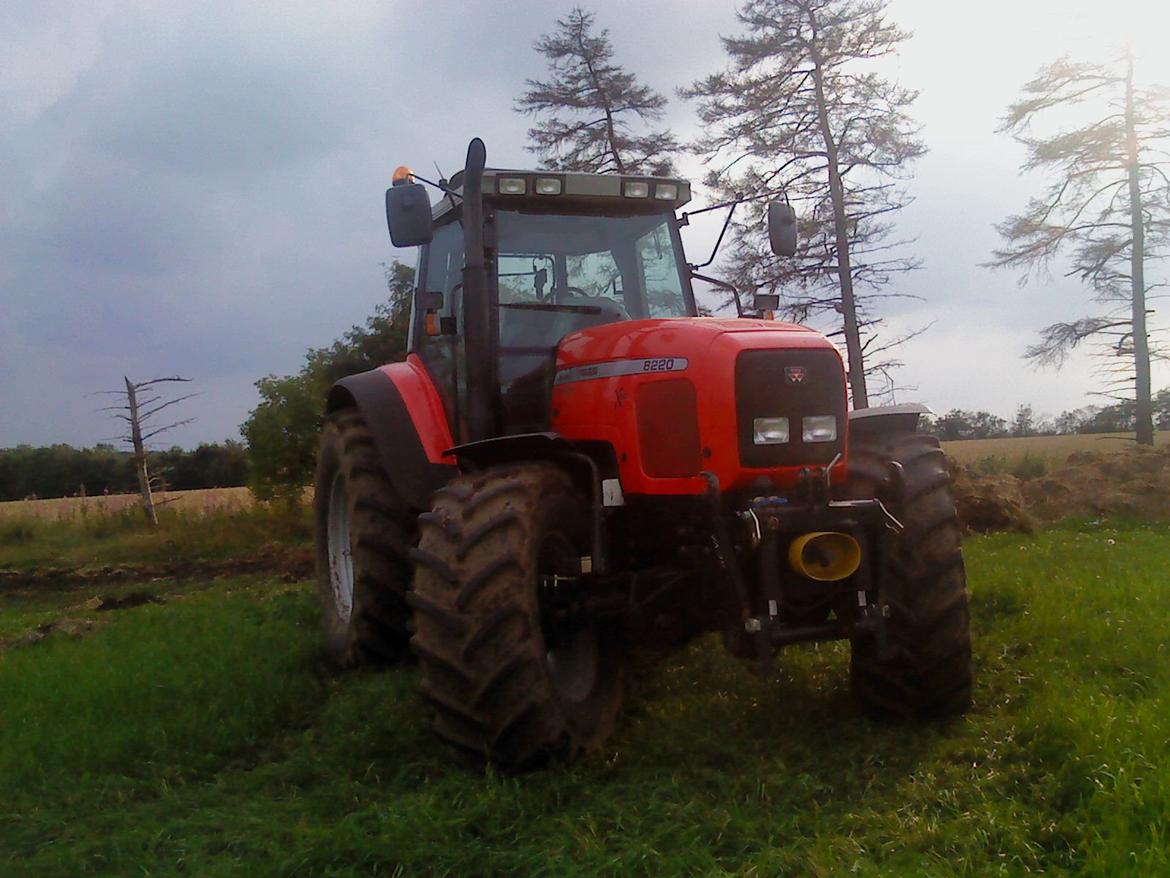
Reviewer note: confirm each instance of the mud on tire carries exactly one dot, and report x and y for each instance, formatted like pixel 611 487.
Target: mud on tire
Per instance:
pixel 363 536
pixel 511 681
pixel 929 673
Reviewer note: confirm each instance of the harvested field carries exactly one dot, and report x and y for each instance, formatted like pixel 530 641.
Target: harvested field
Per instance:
pixel 1051 449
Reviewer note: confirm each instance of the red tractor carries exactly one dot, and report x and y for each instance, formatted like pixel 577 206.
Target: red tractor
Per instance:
pixel 571 461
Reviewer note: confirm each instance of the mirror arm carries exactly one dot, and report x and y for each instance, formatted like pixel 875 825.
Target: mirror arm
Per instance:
pixel 442 186
pixel 719 241
pixel 721 284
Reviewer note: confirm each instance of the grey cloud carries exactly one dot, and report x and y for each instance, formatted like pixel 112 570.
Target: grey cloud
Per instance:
pixel 212 116
pixel 197 188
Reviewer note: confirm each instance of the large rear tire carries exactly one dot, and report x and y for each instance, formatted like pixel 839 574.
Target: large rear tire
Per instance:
pixel 515 674
pixel 926 673
pixel 363 535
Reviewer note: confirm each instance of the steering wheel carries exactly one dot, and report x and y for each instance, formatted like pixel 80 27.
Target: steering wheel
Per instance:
pixel 559 294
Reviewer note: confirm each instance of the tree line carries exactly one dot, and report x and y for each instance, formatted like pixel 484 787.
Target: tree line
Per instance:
pixel 65 471
pixel 1117 418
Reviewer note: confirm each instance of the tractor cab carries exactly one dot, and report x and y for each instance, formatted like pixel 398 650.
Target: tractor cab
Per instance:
pixel 563 252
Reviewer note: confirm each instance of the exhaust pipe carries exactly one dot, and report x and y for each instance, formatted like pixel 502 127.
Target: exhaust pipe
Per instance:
pixel 826 556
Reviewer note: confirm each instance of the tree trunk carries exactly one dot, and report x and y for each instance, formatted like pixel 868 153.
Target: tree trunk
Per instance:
pixel 841 228
pixel 140 456
pixel 1144 409
pixel 610 133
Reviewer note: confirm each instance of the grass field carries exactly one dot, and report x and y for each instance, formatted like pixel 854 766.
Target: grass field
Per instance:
pixel 202 736
pixel 185 535
pixel 1050 449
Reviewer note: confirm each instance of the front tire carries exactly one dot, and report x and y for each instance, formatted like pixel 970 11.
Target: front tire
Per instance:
pixel 515 675
pixel 926 670
pixel 363 536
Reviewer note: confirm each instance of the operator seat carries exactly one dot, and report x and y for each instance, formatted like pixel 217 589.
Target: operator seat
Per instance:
pixel 611 310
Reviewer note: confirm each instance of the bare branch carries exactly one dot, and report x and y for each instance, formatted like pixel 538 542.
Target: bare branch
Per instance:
pixel 160 381
pixel 159 430
pixel 144 415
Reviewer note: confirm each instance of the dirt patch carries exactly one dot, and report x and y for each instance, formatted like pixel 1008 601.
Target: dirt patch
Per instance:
pixel 75 626
pixel 119 602
pixel 60 627
pixel 289 564
pixel 1133 483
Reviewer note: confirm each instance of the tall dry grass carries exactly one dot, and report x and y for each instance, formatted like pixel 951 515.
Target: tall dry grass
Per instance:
pixel 69 508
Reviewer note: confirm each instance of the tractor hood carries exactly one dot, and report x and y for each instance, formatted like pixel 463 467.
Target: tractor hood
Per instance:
pixel 687 338
pixel 682 397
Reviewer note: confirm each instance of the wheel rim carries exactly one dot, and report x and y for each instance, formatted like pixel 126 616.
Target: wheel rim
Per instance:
pixel 570 637
pixel 340 551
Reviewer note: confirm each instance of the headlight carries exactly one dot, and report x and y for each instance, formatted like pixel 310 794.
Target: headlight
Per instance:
pixel 513 186
pixel 666 191
pixel 819 428
pixel 635 189
pixel 770 431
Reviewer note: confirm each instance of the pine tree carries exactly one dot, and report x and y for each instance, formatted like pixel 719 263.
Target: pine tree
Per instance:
pixel 801 110
pixel 586 108
pixel 1107 210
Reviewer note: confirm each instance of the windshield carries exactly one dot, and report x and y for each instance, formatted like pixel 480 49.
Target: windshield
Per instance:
pixel 626 266
pixel 557 274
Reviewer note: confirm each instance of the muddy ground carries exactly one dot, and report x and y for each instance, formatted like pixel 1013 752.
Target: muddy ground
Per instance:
pixel 290 564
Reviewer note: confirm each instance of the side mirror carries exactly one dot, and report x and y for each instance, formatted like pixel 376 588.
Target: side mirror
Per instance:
pixel 429 301
pixel 408 214
pixel 782 228
pixel 767 302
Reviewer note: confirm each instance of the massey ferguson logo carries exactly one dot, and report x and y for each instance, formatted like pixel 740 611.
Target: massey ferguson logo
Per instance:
pixel 795 374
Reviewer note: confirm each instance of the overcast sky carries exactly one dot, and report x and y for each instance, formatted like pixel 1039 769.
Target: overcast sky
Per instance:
pixel 197 188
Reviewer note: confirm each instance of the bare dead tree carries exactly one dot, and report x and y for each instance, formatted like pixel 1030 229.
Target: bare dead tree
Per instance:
pixel 800 110
pixel 137 410
pixel 1106 209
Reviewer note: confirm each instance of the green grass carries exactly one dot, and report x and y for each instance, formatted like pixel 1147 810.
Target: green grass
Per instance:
pixel 202 737
pixel 124 538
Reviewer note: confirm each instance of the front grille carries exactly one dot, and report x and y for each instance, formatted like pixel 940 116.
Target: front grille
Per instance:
pixel 668 428
pixel 765 387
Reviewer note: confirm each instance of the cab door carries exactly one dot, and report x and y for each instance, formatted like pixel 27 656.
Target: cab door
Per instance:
pixel 438 334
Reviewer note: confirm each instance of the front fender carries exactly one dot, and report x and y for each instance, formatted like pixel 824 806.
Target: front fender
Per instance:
pixel 403 411
pixel 887 420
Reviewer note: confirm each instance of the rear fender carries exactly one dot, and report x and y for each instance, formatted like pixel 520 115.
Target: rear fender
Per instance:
pixel 403 411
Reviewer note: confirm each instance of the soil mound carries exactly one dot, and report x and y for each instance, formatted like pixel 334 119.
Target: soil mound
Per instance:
pixel 988 502
pixel 1134 482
